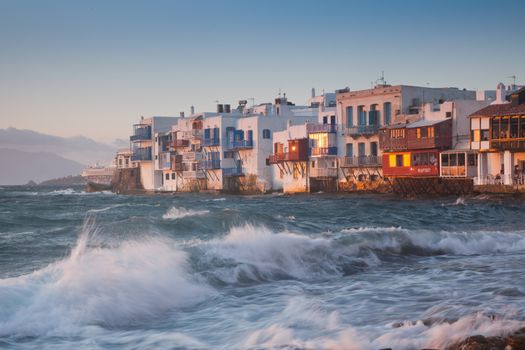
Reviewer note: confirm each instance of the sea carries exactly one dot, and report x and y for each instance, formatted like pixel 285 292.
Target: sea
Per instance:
pixel 212 271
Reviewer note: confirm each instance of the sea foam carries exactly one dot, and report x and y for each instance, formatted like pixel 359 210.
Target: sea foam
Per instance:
pixel 178 213
pixel 109 287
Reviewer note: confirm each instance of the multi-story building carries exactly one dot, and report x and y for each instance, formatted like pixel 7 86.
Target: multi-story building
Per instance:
pixel 123 159
pixel 362 113
pixel 498 134
pixel 305 155
pixel 145 149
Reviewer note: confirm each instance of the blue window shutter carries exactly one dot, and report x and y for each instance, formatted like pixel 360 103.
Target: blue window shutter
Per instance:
pixel 349 117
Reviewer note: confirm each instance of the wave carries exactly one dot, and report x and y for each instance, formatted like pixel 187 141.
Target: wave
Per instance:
pixel 178 213
pixel 250 253
pixel 425 242
pixel 96 285
pixel 283 332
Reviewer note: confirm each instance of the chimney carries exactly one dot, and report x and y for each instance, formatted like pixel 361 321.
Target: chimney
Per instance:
pixel 220 108
pixel 182 114
pixel 313 92
pixel 227 108
pixel 192 110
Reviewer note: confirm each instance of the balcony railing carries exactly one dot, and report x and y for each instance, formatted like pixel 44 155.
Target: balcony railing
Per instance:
pixel 229 172
pixel 180 143
pixel 240 144
pixel 362 130
pixel 141 134
pixel 361 161
pixel 324 151
pixel 177 166
pixel 191 156
pixel 141 154
pixel 285 157
pixel 193 174
pixel 508 144
pixel 323 172
pixel 210 164
pixel 316 128
pixel 210 142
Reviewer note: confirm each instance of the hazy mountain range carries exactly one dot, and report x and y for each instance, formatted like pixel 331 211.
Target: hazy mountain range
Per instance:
pixel 29 155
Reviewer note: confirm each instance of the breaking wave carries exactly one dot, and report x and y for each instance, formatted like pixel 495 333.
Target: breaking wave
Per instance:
pixel 178 213
pixel 425 242
pixel 96 285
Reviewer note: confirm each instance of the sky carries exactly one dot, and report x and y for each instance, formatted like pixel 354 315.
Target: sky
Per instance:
pixel 93 67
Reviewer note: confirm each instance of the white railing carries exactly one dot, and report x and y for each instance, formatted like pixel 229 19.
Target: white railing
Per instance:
pixel 500 179
pixel 323 172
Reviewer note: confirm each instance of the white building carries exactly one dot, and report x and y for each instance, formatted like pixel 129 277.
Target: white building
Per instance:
pixel 145 149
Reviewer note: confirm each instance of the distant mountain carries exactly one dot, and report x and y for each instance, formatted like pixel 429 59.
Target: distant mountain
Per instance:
pixel 79 149
pixel 19 167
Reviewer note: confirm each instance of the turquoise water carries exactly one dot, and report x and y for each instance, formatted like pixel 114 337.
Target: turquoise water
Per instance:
pixel 195 271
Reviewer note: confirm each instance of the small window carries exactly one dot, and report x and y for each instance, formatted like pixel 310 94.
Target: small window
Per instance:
pixel 167 176
pixel 472 160
pixel 484 135
pixel 266 133
pixel 399 160
pixel 173 176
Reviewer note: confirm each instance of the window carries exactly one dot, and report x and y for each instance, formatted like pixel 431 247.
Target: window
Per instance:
pixel 349 117
pixel 120 162
pixel 349 149
pixel 399 160
pixel 475 135
pixel 361 149
pixel 325 120
pixel 472 160
pixel 361 115
pixel 373 149
pixel 228 154
pixel 266 133
pixel 173 176
pixel 332 119
pixel 431 132
pixel 484 135
pixel 444 159
pixel 167 176
pixel 387 112
pixel 397 133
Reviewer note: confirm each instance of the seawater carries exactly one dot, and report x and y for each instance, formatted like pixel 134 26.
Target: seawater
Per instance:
pixel 198 271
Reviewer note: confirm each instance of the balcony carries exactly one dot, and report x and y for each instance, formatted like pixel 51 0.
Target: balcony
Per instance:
pixel 323 172
pixel 317 128
pixel 324 151
pixel 230 172
pixel 191 156
pixel 362 130
pixel 141 133
pixel 210 142
pixel 177 167
pixel 180 143
pixel 141 154
pixel 210 164
pixel 510 144
pixel 361 161
pixel 240 144
pixel 193 174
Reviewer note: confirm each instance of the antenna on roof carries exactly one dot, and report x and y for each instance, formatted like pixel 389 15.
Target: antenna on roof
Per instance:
pixel 381 79
pixel 513 77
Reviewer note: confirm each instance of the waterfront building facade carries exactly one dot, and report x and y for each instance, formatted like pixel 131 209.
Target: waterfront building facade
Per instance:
pixel 498 134
pixel 145 149
pixel 362 113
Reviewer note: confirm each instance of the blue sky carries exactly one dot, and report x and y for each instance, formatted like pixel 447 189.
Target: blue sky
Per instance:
pixel 94 67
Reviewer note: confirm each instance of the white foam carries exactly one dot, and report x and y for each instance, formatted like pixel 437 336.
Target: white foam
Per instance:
pixel 178 213
pixel 256 253
pixel 98 286
pixel 460 243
